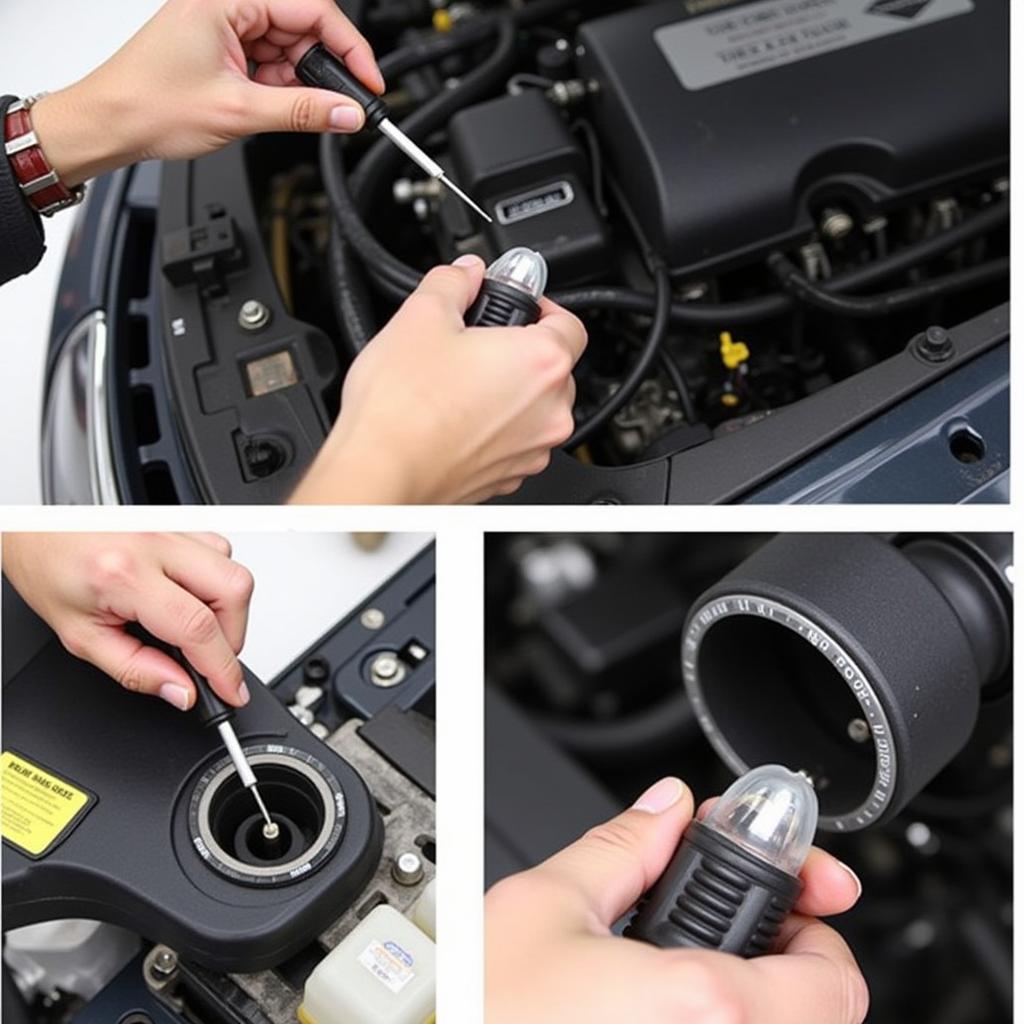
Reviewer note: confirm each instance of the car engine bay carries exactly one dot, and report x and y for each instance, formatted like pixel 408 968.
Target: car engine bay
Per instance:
pixel 779 221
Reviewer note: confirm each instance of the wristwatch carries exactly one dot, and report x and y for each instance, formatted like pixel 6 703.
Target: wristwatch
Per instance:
pixel 39 182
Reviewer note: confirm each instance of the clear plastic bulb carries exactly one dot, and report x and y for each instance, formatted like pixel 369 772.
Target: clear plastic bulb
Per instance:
pixel 770 812
pixel 521 268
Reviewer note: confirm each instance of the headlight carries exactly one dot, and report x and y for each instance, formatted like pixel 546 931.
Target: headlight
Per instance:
pixel 77 464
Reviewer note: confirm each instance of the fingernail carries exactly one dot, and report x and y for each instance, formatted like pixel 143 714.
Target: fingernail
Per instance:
pixel 853 875
pixel 174 694
pixel 243 693
pixel 347 119
pixel 660 797
pixel 468 260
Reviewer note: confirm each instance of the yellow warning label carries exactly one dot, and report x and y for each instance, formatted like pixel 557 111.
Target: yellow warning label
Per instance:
pixel 38 806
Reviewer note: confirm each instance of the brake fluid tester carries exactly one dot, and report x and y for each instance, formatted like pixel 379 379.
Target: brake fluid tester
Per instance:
pixel 319 68
pixel 735 875
pixel 511 291
pixel 213 711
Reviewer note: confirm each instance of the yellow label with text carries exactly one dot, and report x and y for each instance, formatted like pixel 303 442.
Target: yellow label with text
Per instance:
pixel 37 805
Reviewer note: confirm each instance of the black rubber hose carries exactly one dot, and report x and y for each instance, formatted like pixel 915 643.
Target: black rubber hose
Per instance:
pixel 379 165
pixel 352 306
pixel 764 307
pixel 864 307
pixel 435 47
pixel 642 367
pixel 395 278
pixel 675 374
pixel 665 725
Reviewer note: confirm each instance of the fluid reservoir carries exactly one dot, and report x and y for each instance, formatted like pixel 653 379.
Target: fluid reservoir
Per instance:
pixel 424 911
pixel 383 972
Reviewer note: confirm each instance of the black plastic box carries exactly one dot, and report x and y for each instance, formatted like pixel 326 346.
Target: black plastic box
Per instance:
pixel 518 158
pixel 724 140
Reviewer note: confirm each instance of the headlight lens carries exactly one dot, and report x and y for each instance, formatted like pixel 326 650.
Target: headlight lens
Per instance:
pixel 78 467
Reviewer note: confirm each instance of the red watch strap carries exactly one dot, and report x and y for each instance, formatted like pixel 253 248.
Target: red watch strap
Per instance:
pixel 30 164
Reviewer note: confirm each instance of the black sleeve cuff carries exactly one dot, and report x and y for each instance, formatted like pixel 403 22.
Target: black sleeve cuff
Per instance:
pixel 21 228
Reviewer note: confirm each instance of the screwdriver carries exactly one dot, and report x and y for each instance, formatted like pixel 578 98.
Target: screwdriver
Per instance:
pixel 322 70
pixel 213 711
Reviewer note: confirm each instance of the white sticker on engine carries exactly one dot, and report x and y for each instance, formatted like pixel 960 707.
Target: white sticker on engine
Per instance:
pixel 755 37
pixel 389 963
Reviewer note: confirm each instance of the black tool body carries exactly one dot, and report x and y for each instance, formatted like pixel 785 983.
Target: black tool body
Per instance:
pixel 319 68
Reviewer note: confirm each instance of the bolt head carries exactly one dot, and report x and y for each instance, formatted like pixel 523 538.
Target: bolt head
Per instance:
pixel 408 868
pixel 934 344
pixel 372 618
pixel 836 224
pixel 165 962
pixel 387 669
pixel 253 315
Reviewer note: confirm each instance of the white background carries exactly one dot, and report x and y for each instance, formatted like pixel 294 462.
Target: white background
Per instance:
pixel 307 582
pixel 44 46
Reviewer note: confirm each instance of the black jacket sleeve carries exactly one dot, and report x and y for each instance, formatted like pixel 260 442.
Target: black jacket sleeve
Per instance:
pixel 21 228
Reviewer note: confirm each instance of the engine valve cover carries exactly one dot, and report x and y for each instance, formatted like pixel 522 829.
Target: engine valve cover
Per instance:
pixel 730 124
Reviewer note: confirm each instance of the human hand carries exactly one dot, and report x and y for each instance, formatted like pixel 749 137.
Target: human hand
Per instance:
pixel 551 956
pixel 180 87
pixel 433 411
pixel 183 588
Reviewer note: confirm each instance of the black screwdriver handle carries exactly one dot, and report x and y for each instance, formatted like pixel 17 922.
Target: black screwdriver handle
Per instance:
pixel 209 707
pixel 322 70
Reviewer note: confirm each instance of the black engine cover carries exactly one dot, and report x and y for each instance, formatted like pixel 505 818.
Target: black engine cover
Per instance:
pixel 728 129
pixel 129 858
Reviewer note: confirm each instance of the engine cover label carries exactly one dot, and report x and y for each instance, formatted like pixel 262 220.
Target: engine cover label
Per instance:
pixel 745 40
pixel 39 807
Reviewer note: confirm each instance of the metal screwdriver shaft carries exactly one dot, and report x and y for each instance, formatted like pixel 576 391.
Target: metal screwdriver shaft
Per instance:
pixel 213 711
pixel 322 70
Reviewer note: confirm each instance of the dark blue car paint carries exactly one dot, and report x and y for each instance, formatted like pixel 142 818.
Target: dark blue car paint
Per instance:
pixel 905 455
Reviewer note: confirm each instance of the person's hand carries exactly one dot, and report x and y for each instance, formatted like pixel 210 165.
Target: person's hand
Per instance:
pixel 433 411
pixel 183 588
pixel 551 956
pixel 180 87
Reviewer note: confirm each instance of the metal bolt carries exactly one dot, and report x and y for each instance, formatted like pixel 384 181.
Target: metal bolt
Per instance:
pixel 407 869
pixel 165 962
pixel 372 618
pixel 858 730
pixel 934 344
pixel 836 224
pixel 271 831
pixel 319 730
pixel 253 315
pixel 387 669
pixel 921 837
pixel 405 190
pixel 308 696
pixel 303 715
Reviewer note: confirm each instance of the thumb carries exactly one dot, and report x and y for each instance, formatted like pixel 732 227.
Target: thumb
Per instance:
pixel 612 866
pixel 456 285
pixel 274 108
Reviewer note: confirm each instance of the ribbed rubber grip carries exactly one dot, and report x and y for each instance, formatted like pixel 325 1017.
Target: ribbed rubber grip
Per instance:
pixel 715 895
